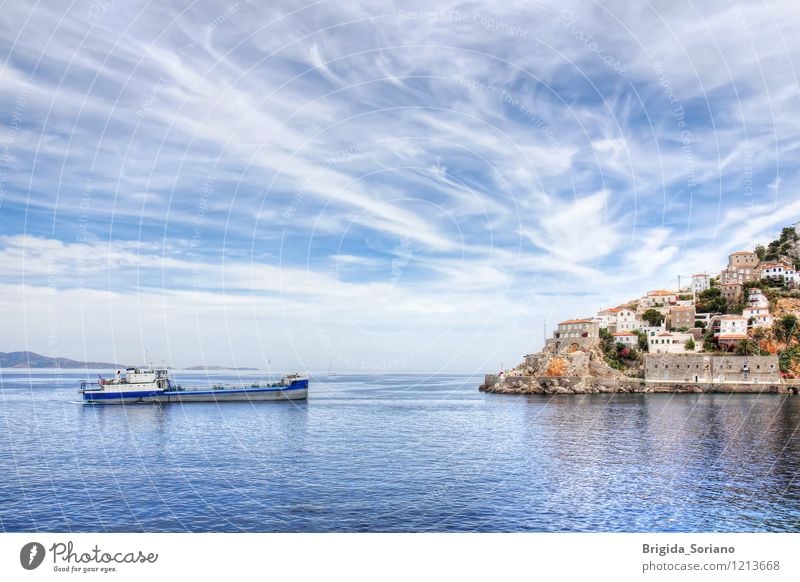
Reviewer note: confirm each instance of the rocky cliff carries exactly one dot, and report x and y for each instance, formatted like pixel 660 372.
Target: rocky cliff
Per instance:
pixel 572 370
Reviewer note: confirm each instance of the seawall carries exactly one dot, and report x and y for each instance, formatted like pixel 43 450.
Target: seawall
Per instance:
pixel 496 384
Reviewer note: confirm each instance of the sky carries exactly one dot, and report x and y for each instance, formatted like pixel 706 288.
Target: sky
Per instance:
pixel 377 186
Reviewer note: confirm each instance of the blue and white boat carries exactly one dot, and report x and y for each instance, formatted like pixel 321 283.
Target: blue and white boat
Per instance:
pixel 136 385
pixel 289 387
pixel 146 385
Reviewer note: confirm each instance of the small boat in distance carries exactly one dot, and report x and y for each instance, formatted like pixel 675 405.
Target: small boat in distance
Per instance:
pixel 145 385
pixel 330 370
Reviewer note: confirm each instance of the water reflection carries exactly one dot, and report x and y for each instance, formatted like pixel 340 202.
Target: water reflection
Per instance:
pixel 392 453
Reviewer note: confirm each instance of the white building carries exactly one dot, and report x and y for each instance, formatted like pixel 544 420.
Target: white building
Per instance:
pixel 757 317
pixel 628 339
pixel 658 298
pixel 756 298
pixel 669 343
pixel 773 271
pixel 700 282
pixel 626 320
pixel 607 318
pixel 791 278
pixel 729 330
pixel 652 331
pixel 757 310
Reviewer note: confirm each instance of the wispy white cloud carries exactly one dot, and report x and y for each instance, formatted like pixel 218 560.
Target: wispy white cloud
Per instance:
pixel 247 161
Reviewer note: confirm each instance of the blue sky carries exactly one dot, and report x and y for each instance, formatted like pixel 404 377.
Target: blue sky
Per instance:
pixel 377 185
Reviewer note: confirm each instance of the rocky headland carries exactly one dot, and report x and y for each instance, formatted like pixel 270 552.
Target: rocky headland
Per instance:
pixel 737 332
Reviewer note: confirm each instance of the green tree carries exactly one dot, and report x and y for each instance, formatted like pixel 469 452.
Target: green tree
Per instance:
pixel 788 234
pixel 699 323
pixel 709 343
pixel 748 348
pixel 711 301
pixel 735 309
pixel 788 358
pixel 653 317
pixel 690 345
pixel 611 350
pixel 758 283
pixel 643 344
pixel 761 251
pixel 786 327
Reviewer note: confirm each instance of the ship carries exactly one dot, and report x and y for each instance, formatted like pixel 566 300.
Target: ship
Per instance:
pixel 154 385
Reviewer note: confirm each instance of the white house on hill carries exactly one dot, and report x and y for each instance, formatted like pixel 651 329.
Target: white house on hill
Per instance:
pixel 757 310
pixel 669 343
pixel 700 282
pixel 627 338
pixel 729 330
pixel 626 320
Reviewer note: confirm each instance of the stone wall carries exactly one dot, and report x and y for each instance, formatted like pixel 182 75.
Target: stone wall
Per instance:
pixel 701 368
pixel 498 384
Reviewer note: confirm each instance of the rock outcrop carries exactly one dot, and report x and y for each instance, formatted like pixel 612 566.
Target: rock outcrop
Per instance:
pixel 570 362
pixel 585 372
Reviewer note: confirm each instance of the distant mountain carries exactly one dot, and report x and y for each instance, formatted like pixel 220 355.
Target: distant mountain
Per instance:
pixel 34 360
pixel 218 368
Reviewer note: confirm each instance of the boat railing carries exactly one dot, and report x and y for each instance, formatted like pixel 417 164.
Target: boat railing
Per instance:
pixel 87 386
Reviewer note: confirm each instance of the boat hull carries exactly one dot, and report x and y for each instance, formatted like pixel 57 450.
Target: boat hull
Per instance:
pixel 295 391
pixel 130 397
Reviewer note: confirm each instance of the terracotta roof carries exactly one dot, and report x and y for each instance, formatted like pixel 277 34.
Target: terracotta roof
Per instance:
pixel 666 333
pixel 660 292
pixel 623 333
pixel 743 253
pixel 577 321
pixel 682 308
pixel 731 336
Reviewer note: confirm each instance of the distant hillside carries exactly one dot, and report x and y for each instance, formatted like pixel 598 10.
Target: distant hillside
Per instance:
pixel 34 360
pixel 219 368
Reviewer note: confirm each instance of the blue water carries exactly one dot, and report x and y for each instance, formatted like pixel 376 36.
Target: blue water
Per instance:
pixel 397 453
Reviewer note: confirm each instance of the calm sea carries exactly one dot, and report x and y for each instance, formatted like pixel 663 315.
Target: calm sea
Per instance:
pixel 396 453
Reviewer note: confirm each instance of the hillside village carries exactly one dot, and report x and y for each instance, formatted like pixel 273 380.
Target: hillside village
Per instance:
pixel 738 325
